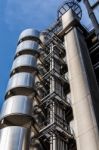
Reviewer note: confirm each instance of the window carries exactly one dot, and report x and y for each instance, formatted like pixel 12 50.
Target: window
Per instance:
pixel 96 12
pixel 92 2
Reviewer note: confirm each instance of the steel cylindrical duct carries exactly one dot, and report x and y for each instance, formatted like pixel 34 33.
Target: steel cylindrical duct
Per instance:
pixel 20 84
pixel 24 63
pixel 29 33
pixel 17 110
pixel 14 138
pixel 27 47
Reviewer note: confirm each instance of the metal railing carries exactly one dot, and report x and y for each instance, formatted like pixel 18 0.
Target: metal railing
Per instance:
pixel 58 125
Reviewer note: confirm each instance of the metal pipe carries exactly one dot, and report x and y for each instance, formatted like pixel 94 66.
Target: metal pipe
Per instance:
pixel 14 138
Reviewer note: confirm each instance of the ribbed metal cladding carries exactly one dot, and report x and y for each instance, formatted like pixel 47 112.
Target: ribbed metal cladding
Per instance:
pixel 17 109
pixel 20 83
pixel 29 33
pixel 14 138
pixel 27 47
pixel 25 63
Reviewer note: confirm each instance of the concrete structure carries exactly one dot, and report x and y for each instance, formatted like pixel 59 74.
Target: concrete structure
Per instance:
pixel 51 101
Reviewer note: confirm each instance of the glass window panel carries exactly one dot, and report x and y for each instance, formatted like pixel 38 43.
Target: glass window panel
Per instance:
pixel 92 2
pixel 96 12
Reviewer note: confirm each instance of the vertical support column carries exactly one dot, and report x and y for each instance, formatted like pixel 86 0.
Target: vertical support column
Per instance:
pixel 52 105
pixel 85 125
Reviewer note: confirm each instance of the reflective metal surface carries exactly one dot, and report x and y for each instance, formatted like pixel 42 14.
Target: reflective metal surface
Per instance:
pixel 27 46
pixel 17 110
pixel 14 138
pixel 24 63
pixel 21 84
pixel 29 32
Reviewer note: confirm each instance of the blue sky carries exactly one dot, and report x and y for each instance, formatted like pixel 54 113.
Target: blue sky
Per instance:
pixel 15 16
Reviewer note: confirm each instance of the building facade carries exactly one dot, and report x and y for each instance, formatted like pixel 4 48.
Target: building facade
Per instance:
pixel 51 101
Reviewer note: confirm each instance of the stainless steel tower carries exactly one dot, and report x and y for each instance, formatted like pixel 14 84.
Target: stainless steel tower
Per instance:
pixel 51 101
pixel 16 114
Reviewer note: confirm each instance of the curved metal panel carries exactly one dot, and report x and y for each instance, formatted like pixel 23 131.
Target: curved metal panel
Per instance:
pixel 27 45
pixel 28 61
pixel 17 110
pixel 29 32
pixel 14 138
pixel 21 84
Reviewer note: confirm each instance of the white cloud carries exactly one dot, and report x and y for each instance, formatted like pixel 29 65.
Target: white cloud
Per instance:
pixel 30 12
